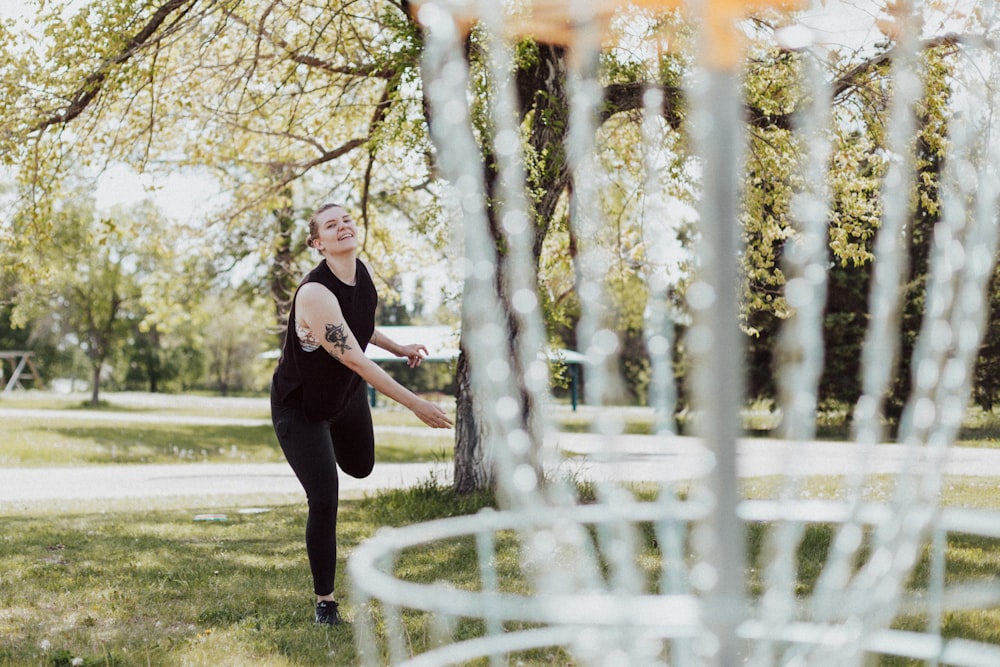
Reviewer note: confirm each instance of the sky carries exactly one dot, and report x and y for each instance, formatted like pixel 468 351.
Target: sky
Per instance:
pixel 16 8
pixel 11 8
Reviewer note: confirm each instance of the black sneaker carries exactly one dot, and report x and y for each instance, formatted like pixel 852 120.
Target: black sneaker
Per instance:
pixel 326 612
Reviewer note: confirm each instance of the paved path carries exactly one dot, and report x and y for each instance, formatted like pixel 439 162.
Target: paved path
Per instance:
pixel 116 482
pixel 108 482
pixel 638 458
pixel 634 458
pixel 587 456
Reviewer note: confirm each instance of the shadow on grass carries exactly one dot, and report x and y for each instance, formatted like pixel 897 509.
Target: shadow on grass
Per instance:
pixel 970 560
pixel 409 453
pixel 158 588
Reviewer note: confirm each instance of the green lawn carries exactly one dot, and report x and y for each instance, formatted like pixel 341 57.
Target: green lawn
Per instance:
pixel 94 436
pixel 114 584
pixel 33 442
pixel 152 586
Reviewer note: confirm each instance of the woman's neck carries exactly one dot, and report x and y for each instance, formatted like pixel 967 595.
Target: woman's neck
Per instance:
pixel 345 267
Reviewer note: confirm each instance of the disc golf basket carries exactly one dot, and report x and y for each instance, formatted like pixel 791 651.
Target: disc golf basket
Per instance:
pixel 629 580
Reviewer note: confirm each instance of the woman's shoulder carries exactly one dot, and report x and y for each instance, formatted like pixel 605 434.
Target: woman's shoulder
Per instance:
pixel 311 293
pixel 312 287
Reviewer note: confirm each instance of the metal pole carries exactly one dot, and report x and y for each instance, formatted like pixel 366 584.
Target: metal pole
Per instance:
pixel 716 342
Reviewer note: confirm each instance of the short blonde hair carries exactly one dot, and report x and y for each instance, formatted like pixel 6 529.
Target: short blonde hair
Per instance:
pixel 313 233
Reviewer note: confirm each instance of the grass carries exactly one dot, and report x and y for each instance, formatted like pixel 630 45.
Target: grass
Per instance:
pixel 154 587
pixel 172 405
pixel 980 428
pixel 122 585
pixel 91 436
pixel 151 586
pixel 35 442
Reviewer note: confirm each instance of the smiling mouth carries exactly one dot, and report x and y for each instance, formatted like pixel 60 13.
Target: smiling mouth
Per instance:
pixel 348 235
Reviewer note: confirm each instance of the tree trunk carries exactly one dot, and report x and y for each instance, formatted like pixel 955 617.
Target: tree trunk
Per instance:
pixel 541 90
pixel 95 386
pixel 101 334
pixel 153 360
pixel 472 472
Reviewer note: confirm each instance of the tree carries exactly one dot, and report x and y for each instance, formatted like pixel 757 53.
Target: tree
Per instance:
pixel 986 386
pixel 94 267
pixel 280 94
pixel 284 101
pixel 266 97
pixel 858 170
pixel 233 343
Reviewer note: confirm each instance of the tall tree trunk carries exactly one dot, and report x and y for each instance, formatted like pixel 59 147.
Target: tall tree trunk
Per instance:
pixel 542 94
pixel 100 336
pixel 153 365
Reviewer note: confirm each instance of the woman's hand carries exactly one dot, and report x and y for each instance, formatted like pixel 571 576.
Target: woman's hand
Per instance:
pixel 431 414
pixel 414 353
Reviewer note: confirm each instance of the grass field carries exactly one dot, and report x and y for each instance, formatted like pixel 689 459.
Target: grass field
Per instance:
pixel 29 442
pixel 145 429
pixel 146 584
pixel 153 587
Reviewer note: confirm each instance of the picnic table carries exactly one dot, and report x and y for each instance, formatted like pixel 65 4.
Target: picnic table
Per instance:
pixel 19 361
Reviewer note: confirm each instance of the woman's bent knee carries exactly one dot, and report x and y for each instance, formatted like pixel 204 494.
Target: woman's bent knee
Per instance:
pixel 359 470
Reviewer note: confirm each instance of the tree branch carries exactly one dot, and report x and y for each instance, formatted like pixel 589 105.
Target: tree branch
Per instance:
pixel 381 110
pixel 312 61
pixel 92 85
pixel 293 171
pixel 849 79
pixel 619 98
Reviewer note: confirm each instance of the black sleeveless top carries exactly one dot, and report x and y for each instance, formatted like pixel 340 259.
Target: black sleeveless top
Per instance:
pixel 316 382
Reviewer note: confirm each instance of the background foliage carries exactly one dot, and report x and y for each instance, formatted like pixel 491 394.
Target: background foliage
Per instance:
pixel 275 107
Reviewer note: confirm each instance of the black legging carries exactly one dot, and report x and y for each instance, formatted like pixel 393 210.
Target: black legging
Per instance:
pixel 314 449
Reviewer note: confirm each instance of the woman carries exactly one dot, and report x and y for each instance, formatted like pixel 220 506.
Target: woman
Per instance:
pixel 319 403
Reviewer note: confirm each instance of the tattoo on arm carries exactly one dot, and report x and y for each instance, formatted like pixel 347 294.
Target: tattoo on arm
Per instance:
pixel 336 336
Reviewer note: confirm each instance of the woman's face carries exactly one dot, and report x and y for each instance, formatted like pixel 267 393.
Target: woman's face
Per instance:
pixel 336 232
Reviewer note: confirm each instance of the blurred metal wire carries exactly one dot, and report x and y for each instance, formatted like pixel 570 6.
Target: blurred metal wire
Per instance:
pixel 589 593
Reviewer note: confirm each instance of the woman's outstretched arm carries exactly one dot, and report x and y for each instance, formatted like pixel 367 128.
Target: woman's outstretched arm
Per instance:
pixel 320 311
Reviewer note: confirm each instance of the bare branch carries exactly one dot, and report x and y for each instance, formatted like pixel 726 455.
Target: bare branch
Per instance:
pixel 290 172
pixel 311 60
pixel 381 110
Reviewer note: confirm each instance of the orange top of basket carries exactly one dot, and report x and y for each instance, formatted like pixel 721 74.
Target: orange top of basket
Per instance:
pixel 552 22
